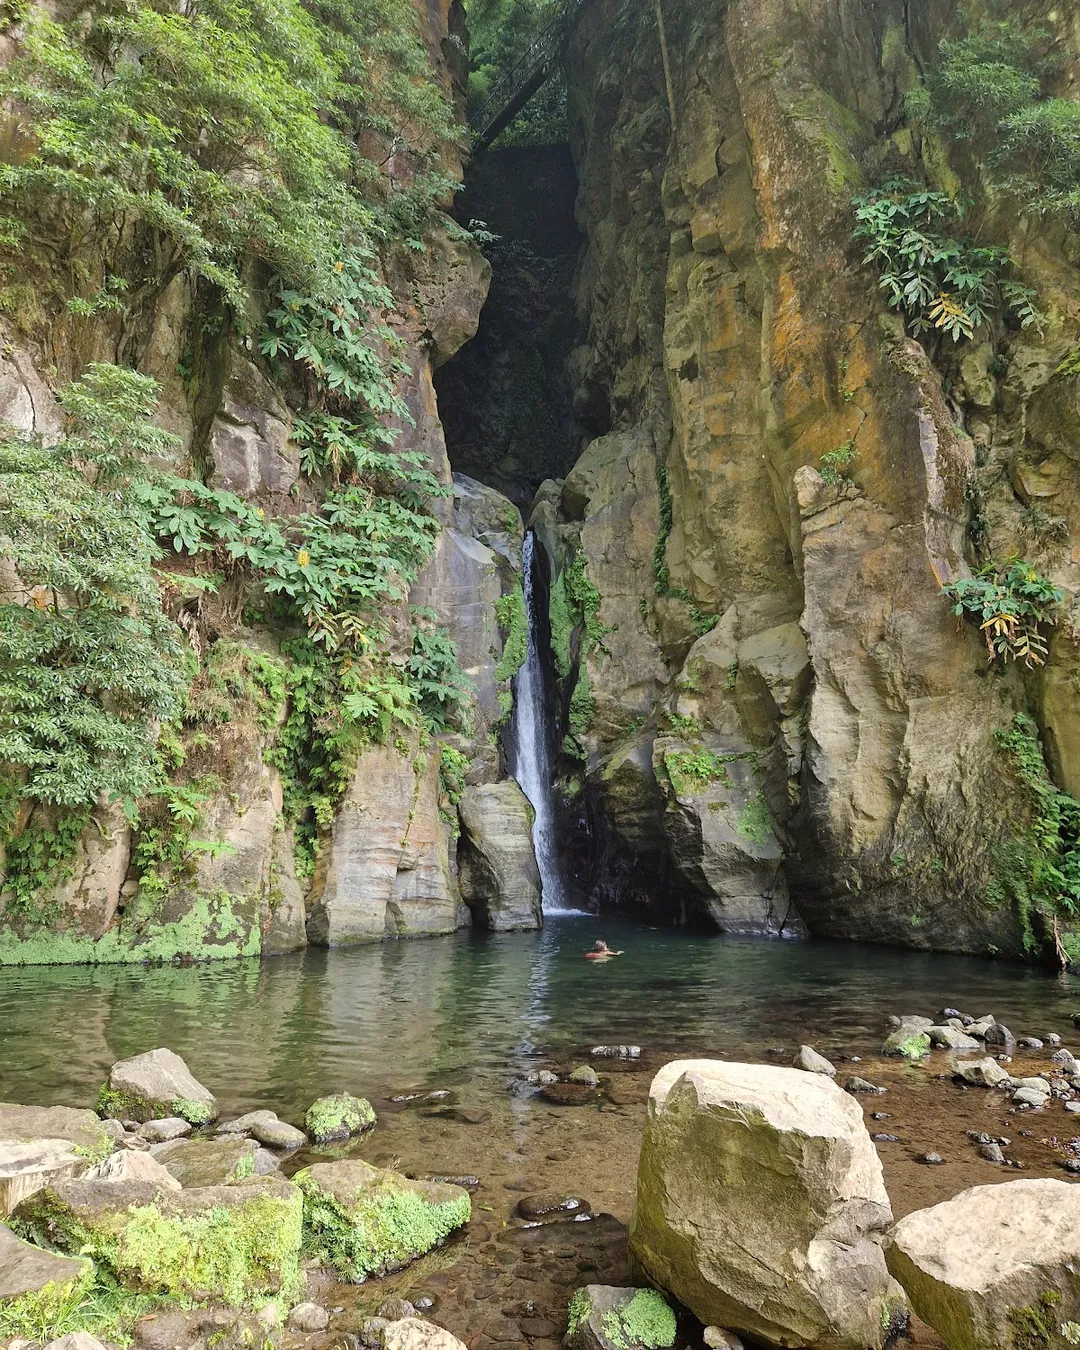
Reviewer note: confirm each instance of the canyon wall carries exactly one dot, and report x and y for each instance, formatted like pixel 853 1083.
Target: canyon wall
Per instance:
pixel 383 861
pixel 771 709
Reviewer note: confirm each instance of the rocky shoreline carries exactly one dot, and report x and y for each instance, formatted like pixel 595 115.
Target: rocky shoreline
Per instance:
pixel 251 1231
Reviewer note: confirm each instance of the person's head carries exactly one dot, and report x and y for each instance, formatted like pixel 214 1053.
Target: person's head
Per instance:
pixel 600 945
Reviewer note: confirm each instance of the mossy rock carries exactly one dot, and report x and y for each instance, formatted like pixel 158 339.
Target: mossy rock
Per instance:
pixel 907 1044
pixel 338 1117
pixel 603 1317
pixel 154 1085
pixel 208 1162
pixel 238 1244
pixel 364 1221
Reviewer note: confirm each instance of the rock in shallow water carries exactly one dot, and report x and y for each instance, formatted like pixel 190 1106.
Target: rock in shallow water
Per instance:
pixel 364 1220
pixel 602 1317
pixel 267 1129
pixel 987 1267
pixel 208 1162
pixel 808 1059
pixel 797 1264
pixel 982 1073
pixel 907 1043
pixel 615 1052
pixel 861 1085
pixel 550 1203
pixel 154 1085
pixel 584 1073
pixel 338 1117
pixel 569 1094
pixel 308 1317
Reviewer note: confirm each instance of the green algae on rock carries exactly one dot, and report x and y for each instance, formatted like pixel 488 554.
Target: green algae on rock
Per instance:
pixel 238 1243
pixel 907 1043
pixel 338 1117
pixel 364 1220
pixel 604 1318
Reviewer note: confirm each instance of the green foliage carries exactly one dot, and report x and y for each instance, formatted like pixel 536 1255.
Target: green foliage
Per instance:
pixel 578 1310
pixel 704 623
pixel 755 822
pixel 88 661
pixel 388 1224
pixel 238 1254
pixel 646 1320
pixel 1012 603
pixel 685 725
pixel 835 465
pixel 440 689
pixel 453 766
pixel 500 33
pixel 988 88
pixel 220 132
pixel 1038 871
pixel 95 1304
pixel 514 625
pixel 691 771
pixel 938 278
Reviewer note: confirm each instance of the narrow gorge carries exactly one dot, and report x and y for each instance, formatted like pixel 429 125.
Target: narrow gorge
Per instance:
pixel 755 488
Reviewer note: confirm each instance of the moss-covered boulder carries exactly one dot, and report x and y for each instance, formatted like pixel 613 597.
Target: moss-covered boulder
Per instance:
pixel 907 1043
pixel 364 1220
pixel 239 1244
pixel 34 1284
pixel 208 1162
pixel 156 1084
pixel 338 1117
pixel 602 1317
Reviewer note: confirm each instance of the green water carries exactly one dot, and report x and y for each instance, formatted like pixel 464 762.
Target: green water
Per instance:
pixel 480 1010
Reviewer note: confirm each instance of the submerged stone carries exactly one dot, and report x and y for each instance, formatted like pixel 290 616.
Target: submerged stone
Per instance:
pixel 238 1244
pixel 569 1094
pixel 551 1203
pixel 338 1117
pixel 602 1317
pixel 154 1085
pixel 364 1220
pixel 585 1073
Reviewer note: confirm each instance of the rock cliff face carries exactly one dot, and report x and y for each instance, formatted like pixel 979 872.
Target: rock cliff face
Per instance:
pixel 780 716
pixel 387 861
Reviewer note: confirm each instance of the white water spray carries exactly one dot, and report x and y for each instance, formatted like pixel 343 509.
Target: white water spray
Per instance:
pixel 532 747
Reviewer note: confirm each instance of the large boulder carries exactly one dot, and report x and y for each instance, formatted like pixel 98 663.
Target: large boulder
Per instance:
pixel 760 1206
pixel 238 1244
pixel 996 1267
pixel 496 863
pixel 363 1220
pixel 32 1280
pixel 156 1084
pixel 43 1144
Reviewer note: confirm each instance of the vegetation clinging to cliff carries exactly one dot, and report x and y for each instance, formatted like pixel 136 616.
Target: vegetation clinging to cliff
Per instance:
pixel 1011 603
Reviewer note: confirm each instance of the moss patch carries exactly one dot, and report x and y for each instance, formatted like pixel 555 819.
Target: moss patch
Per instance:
pixel 691 771
pixel 338 1117
pixel 239 1252
pixel 93 1304
pixel 645 1321
pixel 211 930
pixel 514 623
pixel 388 1224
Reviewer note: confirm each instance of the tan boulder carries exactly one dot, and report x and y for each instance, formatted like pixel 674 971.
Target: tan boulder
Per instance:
pixel 496 863
pixel 761 1206
pixel 996 1267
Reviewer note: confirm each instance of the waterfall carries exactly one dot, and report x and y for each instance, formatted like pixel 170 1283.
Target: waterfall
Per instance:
pixel 532 741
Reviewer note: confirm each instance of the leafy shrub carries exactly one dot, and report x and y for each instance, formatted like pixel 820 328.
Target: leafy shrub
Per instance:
pixel 1039 870
pixel 835 465
pixel 988 89
pixel 939 279
pixel 88 662
pixel 1011 603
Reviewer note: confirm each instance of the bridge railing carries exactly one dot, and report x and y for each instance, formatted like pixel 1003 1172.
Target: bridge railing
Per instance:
pixel 535 65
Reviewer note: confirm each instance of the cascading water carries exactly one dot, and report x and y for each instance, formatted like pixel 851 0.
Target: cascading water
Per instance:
pixel 532 743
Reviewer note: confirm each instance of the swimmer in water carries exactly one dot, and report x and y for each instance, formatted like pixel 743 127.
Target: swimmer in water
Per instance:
pixel 601 952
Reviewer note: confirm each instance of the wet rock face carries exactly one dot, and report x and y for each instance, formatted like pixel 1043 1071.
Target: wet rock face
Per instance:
pixel 496 864
pixel 738 341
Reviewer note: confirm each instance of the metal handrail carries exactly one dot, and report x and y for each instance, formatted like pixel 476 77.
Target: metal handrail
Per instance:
pixel 525 68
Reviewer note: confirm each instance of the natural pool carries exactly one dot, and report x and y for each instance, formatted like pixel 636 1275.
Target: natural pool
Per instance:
pixel 472 1014
pixel 478 1009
